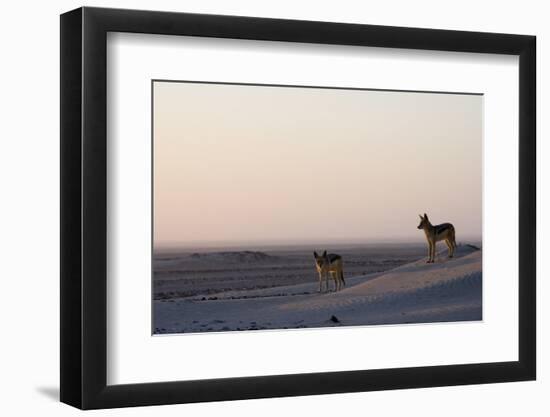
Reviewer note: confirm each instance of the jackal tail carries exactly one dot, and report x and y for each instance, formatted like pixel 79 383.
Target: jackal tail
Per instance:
pixel 453 235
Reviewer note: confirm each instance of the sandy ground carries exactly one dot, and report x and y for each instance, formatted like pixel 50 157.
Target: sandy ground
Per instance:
pixel 210 271
pixel 414 292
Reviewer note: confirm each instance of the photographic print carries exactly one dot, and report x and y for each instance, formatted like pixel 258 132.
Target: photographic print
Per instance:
pixel 291 207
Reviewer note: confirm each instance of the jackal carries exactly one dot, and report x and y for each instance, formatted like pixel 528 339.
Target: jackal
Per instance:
pixel 434 234
pixel 330 264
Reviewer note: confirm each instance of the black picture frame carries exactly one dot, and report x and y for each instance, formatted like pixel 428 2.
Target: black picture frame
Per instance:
pixel 84 207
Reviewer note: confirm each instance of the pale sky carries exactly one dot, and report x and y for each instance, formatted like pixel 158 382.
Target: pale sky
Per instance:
pixel 245 164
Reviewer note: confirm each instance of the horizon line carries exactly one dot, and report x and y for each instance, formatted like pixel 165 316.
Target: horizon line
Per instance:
pixel 268 243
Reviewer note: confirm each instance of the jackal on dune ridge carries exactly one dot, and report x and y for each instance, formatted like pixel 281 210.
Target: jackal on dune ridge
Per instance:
pixel 434 234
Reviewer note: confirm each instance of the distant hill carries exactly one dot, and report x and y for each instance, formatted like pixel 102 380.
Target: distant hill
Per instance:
pixel 234 256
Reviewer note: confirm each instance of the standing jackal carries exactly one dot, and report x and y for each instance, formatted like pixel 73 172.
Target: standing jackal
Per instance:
pixel 330 264
pixel 434 234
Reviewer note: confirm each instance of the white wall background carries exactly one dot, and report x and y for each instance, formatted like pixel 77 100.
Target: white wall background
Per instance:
pixel 29 233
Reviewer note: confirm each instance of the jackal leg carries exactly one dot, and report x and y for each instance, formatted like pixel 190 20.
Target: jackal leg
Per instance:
pixel 453 242
pixel 449 247
pixel 333 276
pixel 429 252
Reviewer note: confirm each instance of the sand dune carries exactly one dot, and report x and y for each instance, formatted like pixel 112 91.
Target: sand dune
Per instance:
pixel 449 290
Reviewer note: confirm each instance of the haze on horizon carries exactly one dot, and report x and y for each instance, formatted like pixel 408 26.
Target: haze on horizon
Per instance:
pixel 239 164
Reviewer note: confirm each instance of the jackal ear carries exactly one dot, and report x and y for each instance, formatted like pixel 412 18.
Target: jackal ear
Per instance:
pixel 324 254
pixel 315 254
pixel 421 218
pixel 425 216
